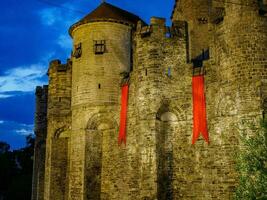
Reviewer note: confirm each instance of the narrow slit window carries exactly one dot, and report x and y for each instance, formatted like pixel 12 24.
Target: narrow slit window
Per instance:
pixel 146 72
pixel 78 50
pixel 99 86
pixel 100 46
pixel 169 73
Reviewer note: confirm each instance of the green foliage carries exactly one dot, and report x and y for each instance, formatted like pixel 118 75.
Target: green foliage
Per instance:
pixel 251 165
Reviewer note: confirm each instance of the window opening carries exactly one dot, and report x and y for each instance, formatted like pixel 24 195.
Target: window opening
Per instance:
pixel 169 72
pixel 78 50
pixel 100 46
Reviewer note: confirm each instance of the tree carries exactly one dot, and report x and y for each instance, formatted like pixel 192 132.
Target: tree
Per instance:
pixel 251 165
pixel 7 168
pixel 4 147
pixel 16 171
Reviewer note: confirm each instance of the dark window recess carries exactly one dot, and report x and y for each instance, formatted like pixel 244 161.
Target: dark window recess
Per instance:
pixel 174 31
pixel 198 68
pixel 202 20
pixel 99 86
pixel 218 20
pixel 146 31
pixel 217 15
pixel 187 43
pixel 198 61
pixel 169 72
pixel 100 46
pixel 78 50
pixel 262 7
pixel 146 72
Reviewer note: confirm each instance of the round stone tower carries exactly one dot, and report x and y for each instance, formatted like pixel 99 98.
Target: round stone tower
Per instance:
pixel 102 51
pixel 101 57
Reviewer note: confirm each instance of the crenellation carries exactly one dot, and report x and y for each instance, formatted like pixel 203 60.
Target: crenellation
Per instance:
pixel 158 29
pixel 41 110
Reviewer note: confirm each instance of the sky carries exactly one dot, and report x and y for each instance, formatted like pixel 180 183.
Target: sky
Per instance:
pixel 34 32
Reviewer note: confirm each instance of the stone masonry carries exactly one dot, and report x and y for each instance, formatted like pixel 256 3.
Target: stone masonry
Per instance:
pixel 77 156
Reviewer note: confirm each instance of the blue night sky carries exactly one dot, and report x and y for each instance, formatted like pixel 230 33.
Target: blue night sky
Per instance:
pixel 32 33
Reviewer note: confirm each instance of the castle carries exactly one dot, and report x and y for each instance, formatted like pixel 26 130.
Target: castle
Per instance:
pixel 77 156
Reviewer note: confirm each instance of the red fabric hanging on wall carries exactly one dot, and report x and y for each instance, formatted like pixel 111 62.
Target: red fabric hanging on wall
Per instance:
pixel 199 109
pixel 123 119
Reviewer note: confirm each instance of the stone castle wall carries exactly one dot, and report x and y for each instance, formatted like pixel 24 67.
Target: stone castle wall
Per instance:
pixel 235 78
pixel 83 158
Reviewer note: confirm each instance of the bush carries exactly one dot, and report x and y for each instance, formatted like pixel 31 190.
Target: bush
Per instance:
pixel 251 165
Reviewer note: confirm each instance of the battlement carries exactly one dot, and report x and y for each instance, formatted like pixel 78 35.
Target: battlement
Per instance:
pixel 158 28
pixel 41 93
pixel 41 90
pixel 56 66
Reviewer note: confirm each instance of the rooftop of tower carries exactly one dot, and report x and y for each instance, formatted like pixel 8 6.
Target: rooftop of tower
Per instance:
pixel 108 12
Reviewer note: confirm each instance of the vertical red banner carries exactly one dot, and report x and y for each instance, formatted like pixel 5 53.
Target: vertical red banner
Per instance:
pixel 199 109
pixel 123 116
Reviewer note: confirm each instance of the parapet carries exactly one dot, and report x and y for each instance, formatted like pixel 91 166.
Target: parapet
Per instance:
pixel 157 21
pixel 41 90
pixel 158 28
pixel 41 93
pixel 56 66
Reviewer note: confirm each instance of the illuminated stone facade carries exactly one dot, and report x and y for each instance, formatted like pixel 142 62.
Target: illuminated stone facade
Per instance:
pixel 77 156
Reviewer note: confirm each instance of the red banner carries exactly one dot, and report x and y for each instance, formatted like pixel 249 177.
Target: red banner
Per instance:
pixel 123 119
pixel 199 109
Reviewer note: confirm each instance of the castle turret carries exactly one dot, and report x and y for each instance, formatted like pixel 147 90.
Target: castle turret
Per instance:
pixel 102 43
pixel 102 51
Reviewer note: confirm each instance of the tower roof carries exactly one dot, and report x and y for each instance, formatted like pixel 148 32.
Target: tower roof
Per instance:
pixel 108 12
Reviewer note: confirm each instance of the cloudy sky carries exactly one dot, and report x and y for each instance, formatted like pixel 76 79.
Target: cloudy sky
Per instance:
pixel 32 33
